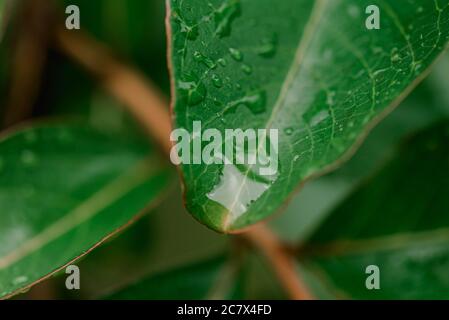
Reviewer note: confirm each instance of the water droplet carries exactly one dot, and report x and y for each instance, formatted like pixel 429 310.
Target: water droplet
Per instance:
pixel 192 89
pixel 255 101
pixel 296 158
pixel 330 98
pixel 216 80
pixel 236 54
pixel 247 69
pixel 267 48
pixel 231 180
pixel 319 117
pixel 288 131
pixel 417 67
pixel 191 31
pixel 222 62
pixel 395 58
pixel 19 280
pixel 225 15
pixel 201 58
pixel 28 158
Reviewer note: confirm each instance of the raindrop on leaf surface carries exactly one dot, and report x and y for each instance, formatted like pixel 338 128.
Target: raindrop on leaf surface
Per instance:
pixel 217 82
pixel 201 58
pixel 225 15
pixel 236 54
pixel 192 89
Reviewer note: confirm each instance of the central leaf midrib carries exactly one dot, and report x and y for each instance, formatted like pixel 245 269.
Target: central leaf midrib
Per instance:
pixel 294 69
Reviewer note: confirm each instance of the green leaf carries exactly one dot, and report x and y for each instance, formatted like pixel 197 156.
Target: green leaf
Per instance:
pixel 398 221
pixel 213 279
pixel 64 190
pixel 319 197
pixel 310 69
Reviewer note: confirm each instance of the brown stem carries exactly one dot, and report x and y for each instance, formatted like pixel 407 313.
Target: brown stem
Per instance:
pixel 127 85
pixel 283 264
pixel 149 107
pixel 28 58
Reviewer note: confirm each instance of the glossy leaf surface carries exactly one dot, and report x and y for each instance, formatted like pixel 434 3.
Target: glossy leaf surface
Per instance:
pixel 310 69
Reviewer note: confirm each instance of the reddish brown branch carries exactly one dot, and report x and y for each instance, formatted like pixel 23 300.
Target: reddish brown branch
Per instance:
pixel 127 85
pixel 283 263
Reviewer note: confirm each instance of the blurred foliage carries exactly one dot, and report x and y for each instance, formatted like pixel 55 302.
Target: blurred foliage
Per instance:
pixel 403 230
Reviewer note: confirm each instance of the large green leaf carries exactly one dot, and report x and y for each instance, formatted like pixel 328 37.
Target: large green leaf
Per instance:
pixel 63 190
pixel 213 279
pixel 398 221
pixel 310 69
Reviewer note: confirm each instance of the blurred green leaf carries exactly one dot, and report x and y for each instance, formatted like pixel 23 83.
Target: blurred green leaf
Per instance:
pixel 310 69
pixel 5 8
pixel 398 220
pixel 213 279
pixel 65 189
pixel 134 33
pixel 145 249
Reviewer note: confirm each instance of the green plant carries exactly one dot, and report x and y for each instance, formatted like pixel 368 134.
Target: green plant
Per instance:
pixel 309 69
